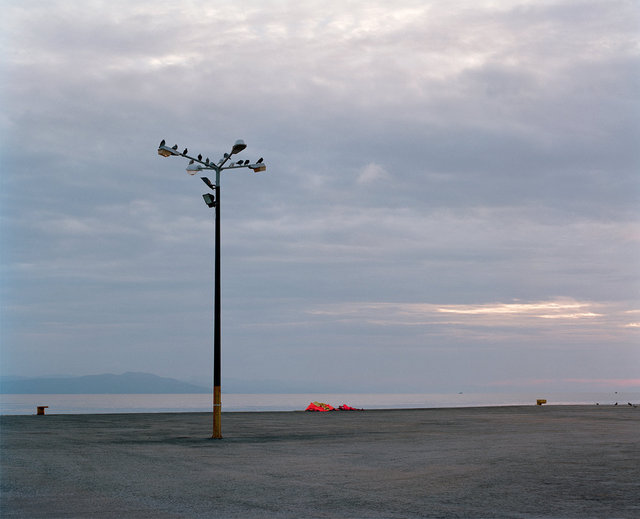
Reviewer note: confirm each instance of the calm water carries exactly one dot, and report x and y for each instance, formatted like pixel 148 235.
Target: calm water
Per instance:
pixel 84 404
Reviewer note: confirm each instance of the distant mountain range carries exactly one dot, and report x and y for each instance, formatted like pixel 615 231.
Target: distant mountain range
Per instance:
pixel 137 383
pixel 127 383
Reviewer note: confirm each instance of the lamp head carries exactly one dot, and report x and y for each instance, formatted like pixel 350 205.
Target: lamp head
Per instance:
pixel 165 151
pixel 192 169
pixel 208 182
pixel 258 167
pixel 209 199
pixel 238 147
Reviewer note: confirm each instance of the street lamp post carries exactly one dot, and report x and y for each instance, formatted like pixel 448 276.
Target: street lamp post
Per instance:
pixel 196 165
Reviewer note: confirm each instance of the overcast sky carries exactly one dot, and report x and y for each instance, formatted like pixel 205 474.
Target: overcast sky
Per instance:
pixel 450 204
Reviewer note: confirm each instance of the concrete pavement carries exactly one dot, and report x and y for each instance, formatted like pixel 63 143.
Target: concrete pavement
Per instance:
pixel 501 462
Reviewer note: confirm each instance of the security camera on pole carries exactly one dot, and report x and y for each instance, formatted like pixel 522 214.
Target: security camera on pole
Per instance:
pixel 197 165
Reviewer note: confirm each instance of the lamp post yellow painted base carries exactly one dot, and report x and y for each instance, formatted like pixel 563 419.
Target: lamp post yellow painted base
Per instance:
pixel 217 414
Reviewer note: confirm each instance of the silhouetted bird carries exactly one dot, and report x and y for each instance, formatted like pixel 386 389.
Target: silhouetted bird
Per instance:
pixel 207 161
pixel 185 151
pixel 162 142
pixel 199 156
pixel 191 161
pixel 259 160
pixel 175 147
pixel 246 162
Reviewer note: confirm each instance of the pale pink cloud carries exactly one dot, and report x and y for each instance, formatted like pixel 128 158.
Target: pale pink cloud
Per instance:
pixel 596 383
pixel 609 382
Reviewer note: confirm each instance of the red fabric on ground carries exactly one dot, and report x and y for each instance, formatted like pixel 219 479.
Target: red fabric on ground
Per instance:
pixel 319 406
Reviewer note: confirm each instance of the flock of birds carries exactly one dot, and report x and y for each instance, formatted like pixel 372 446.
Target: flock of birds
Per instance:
pixel 628 403
pixel 185 151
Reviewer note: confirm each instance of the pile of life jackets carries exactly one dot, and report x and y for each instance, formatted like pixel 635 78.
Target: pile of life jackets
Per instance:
pixel 323 408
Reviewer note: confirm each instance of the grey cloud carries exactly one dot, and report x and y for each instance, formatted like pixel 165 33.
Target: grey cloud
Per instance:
pixel 425 153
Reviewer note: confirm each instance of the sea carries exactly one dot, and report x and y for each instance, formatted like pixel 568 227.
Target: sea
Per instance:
pixel 16 404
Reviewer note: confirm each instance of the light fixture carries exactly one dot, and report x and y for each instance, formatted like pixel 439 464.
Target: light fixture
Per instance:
pixel 208 182
pixel 192 169
pixel 165 151
pixel 209 199
pixel 238 147
pixel 258 167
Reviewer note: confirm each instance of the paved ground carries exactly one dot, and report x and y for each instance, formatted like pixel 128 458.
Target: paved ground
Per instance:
pixel 503 462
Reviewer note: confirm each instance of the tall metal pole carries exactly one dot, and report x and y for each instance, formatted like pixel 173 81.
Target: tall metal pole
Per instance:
pixel 217 400
pixel 192 169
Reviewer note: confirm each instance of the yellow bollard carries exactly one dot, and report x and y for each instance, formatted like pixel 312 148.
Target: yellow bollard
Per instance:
pixel 41 409
pixel 541 401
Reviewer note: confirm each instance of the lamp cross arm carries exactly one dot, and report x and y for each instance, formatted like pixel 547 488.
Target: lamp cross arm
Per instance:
pixel 167 152
pixel 237 166
pixel 254 166
pixel 207 165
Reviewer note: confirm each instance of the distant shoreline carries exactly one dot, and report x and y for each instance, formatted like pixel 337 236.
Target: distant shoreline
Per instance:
pixel 368 410
pixel 145 403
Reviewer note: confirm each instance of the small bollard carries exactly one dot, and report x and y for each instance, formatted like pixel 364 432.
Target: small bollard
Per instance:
pixel 41 409
pixel 541 401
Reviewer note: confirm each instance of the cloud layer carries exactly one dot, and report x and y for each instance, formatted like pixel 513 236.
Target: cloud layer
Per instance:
pixel 451 196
